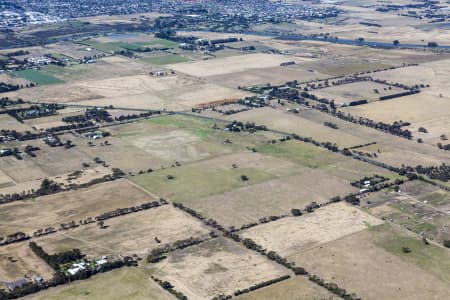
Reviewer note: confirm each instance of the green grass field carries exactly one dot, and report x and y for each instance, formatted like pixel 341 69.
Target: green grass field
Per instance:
pixel 165 59
pixel 127 283
pixel 431 258
pixel 300 153
pixel 118 46
pixel 191 181
pixel 39 77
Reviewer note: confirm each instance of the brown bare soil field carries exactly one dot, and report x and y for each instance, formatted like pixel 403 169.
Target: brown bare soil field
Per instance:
pixel 168 144
pixel 273 75
pixel 297 288
pixel 290 123
pixel 421 110
pixel 44 164
pixel 131 234
pixel 69 206
pixel 356 91
pixel 222 35
pixel 218 266
pixel 393 150
pixel 17 260
pixel 10 123
pixel 72 50
pixel 275 197
pixel 126 283
pixel 232 64
pixel 288 236
pixel 371 264
pixel 142 91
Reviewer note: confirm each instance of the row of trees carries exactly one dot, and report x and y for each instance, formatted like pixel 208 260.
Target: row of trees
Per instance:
pixel 261 285
pixel 170 288
pixel 14 238
pixel 57 259
pixel 157 254
pixel 128 210
pixel 334 288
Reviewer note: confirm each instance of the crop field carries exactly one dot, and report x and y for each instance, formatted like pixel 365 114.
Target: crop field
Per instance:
pixel 165 224
pixel 274 197
pixel 168 144
pixel 298 288
pixel 215 267
pixel 392 150
pixel 130 283
pixel 73 205
pixel 116 44
pixel 274 75
pixel 44 164
pixel 424 110
pixel 195 180
pixel 11 123
pixel 231 64
pixel 370 91
pixel 420 274
pixel 164 59
pixel 38 77
pixel 142 91
pixel 290 123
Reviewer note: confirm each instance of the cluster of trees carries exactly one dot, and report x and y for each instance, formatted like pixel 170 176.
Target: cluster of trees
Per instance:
pixel 441 172
pixel 261 285
pixel 443 147
pixel 170 288
pixel 5 101
pixel 57 259
pixel 14 238
pixel 96 114
pixel 34 111
pixel 47 187
pixel 31 149
pixel 334 288
pixel 284 92
pixel 251 127
pixel 59 278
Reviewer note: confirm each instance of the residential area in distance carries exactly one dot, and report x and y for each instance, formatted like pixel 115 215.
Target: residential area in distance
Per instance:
pixel 224 149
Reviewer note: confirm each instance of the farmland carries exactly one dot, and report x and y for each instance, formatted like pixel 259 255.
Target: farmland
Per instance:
pixel 39 77
pixel 215 150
